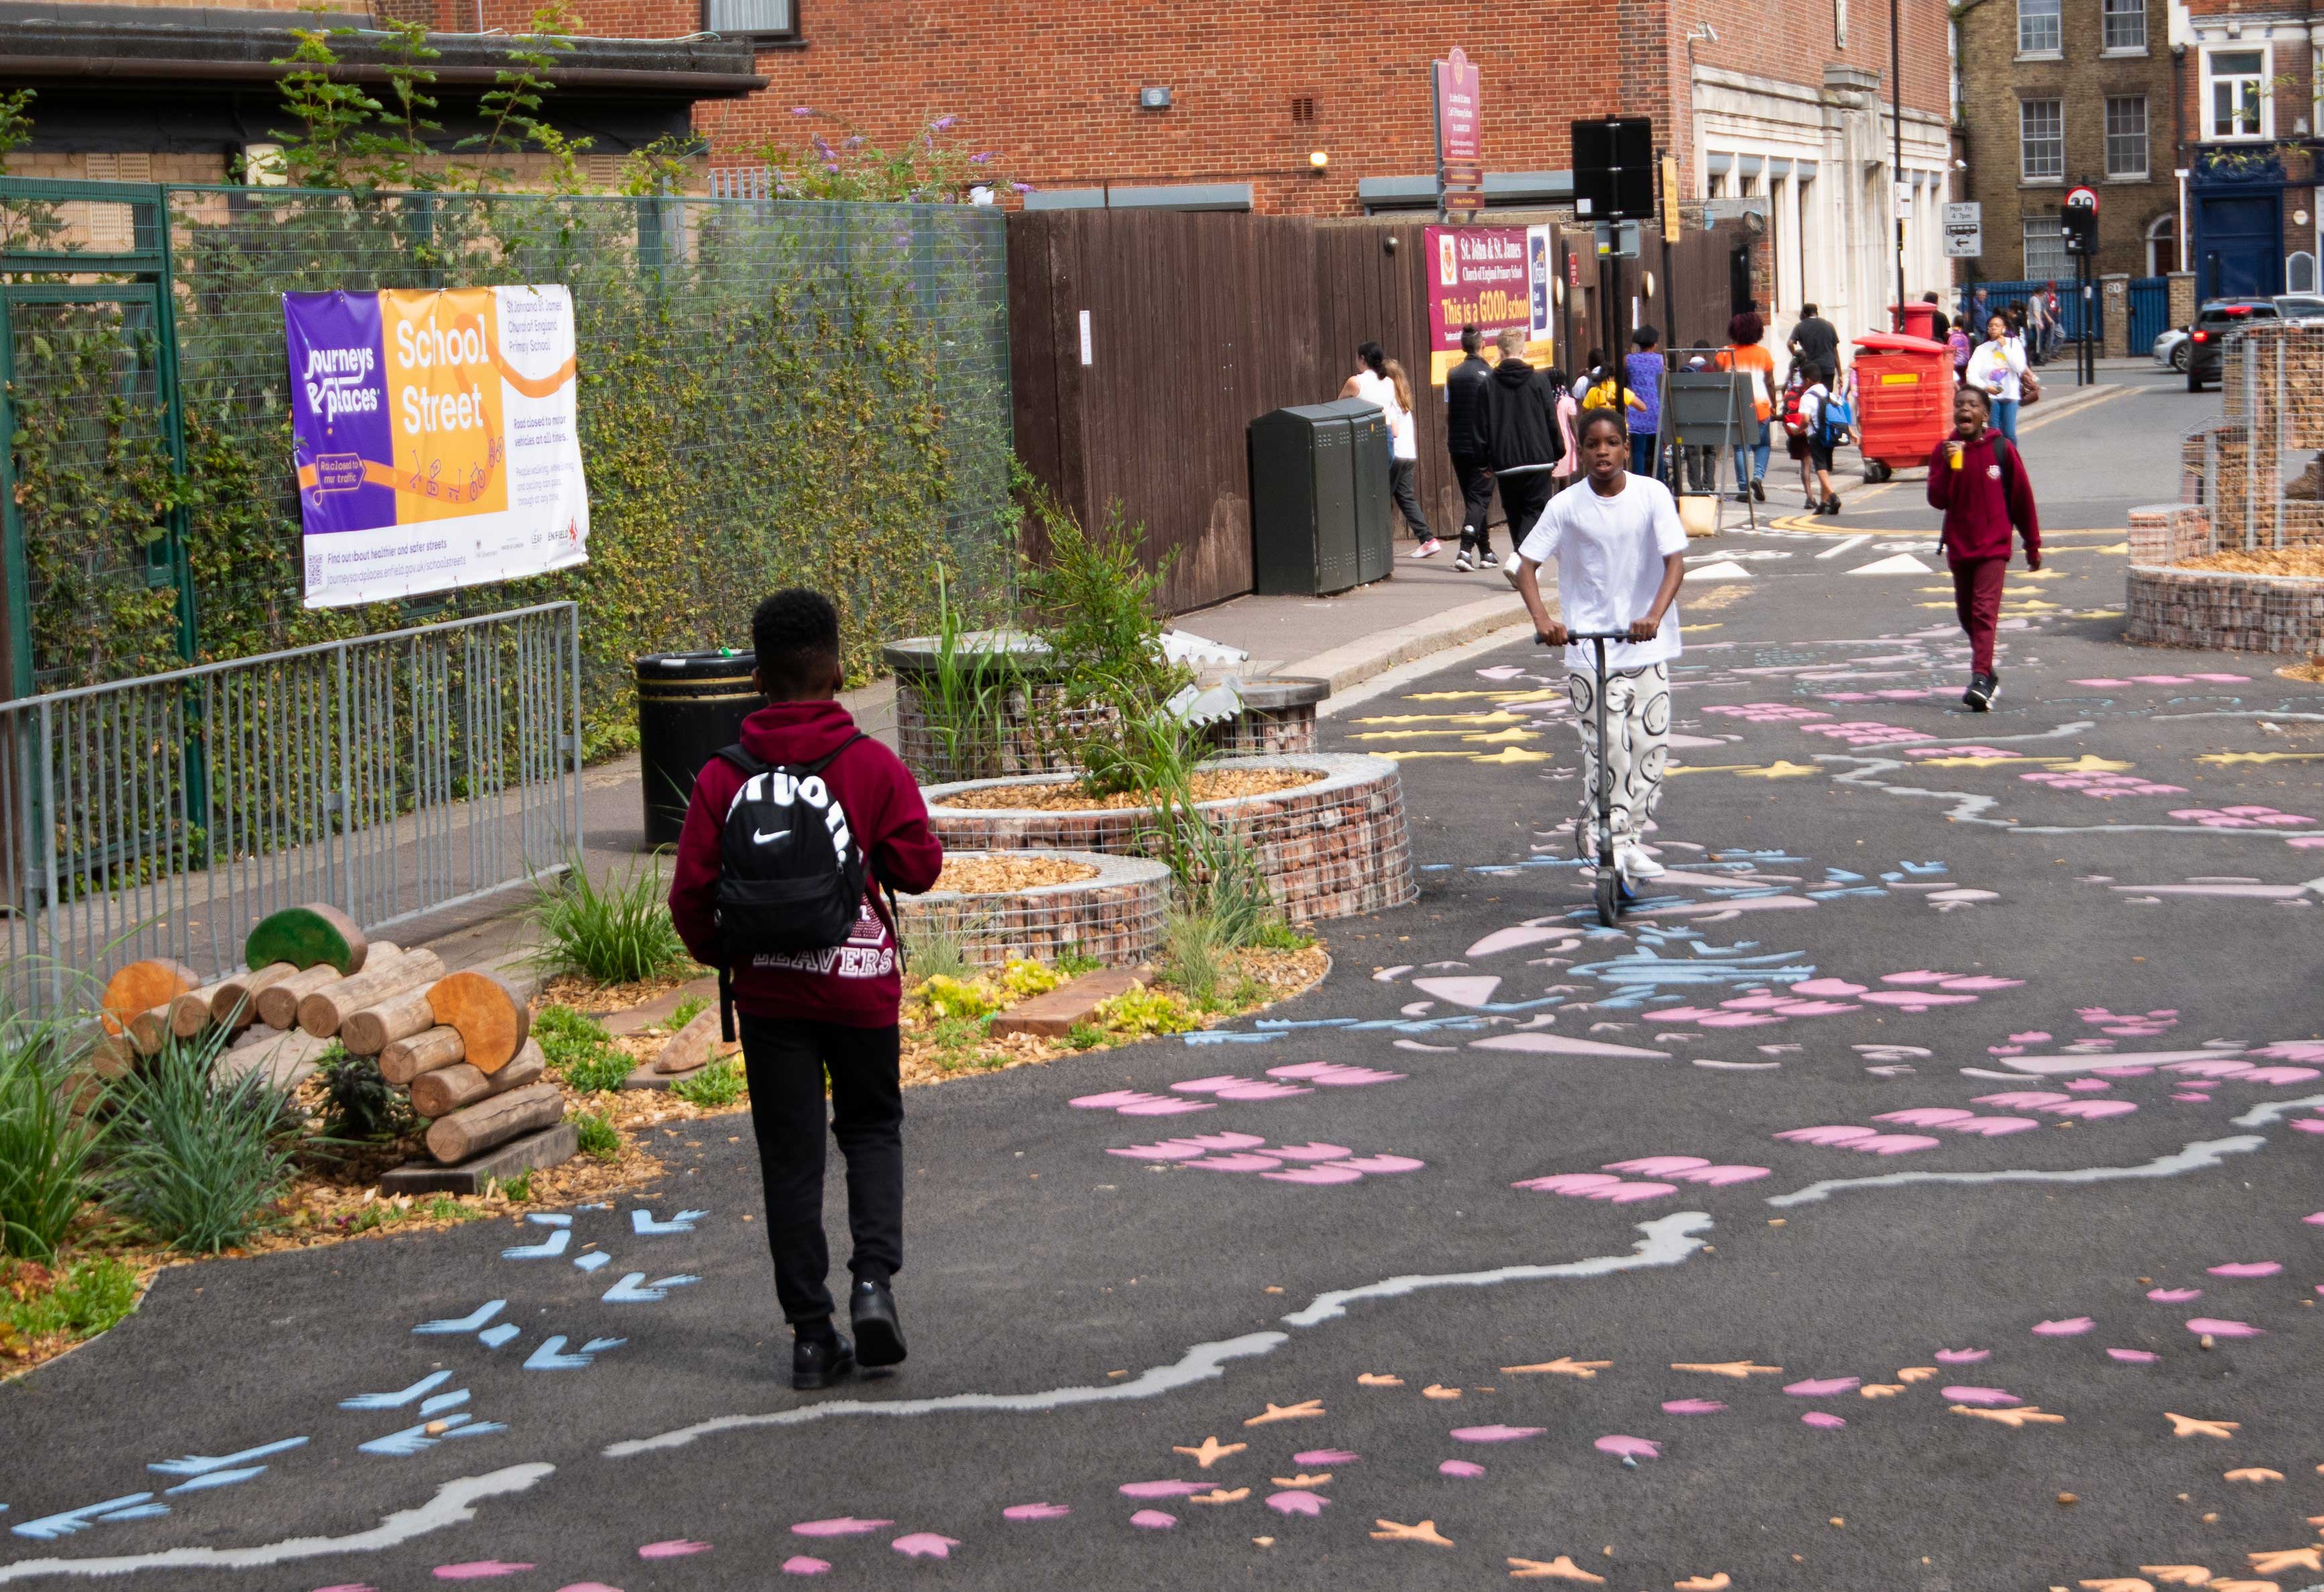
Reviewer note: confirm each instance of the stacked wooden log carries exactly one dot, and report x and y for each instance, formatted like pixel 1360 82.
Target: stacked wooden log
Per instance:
pixel 459 1044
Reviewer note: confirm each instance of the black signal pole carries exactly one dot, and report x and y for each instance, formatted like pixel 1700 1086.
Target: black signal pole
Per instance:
pixel 1896 167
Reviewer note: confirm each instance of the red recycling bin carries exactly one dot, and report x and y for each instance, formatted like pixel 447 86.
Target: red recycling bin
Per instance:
pixel 1920 319
pixel 1903 400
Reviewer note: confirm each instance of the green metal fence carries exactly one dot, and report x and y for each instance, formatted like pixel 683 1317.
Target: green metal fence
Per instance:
pixel 772 392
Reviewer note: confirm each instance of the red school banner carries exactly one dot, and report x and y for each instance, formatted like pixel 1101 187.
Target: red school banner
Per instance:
pixel 1487 277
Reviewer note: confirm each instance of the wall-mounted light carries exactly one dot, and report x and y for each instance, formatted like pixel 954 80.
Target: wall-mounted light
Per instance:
pixel 1647 283
pixel 1154 99
pixel 1317 160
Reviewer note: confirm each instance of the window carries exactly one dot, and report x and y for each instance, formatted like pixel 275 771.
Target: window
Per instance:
pixel 2126 25
pixel 2299 275
pixel 2038 27
pixel 2041 139
pixel 2234 106
pixel 2046 258
pixel 2125 146
pixel 758 18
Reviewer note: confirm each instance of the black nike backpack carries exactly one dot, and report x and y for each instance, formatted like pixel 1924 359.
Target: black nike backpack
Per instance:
pixel 790 873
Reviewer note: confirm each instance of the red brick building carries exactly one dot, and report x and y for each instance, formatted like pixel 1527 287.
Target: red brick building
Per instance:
pixel 1126 105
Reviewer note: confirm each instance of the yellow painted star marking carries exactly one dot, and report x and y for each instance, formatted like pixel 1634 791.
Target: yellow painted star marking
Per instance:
pixel 1437 1390
pixel 2177 1575
pixel 1561 1569
pixel 2014 1418
pixel 1221 1495
pixel 1211 1451
pixel 1305 1409
pixel 2089 763
pixel 1514 754
pixel 2260 757
pixel 1379 1379
pixel 1394 1532
pixel 1781 769
pixel 1718 1583
pixel 1301 1480
pixel 2255 1474
pixel 1880 1390
pixel 2276 1562
pixel 1534 693
pixel 1737 1369
pixel 2228 1586
pixel 1513 734
pixel 1918 1374
pixel 2188 1426
pixel 1406 734
pixel 1562 1366
pixel 1498 716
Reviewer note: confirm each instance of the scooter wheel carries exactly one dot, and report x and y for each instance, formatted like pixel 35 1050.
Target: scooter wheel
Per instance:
pixel 1875 471
pixel 1610 907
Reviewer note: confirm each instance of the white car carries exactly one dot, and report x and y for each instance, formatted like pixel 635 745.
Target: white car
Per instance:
pixel 2170 349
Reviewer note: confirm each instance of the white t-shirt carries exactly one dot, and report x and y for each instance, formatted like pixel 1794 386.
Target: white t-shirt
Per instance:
pixel 1999 368
pixel 1373 388
pixel 1610 554
pixel 1404 437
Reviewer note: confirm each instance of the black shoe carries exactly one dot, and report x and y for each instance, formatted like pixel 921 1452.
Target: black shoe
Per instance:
pixel 821 1362
pixel 1759 490
pixel 1982 690
pixel 871 1309
pixel 1831 506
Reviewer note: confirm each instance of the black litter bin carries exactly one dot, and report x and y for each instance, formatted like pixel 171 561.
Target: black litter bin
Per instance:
pixel 1318 496
pixel 689 705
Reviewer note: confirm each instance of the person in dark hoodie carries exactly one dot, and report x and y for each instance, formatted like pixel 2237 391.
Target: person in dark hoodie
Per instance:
pixel 1977 477
pixel 1465 440
pixel 809 1014
pixel 1521 434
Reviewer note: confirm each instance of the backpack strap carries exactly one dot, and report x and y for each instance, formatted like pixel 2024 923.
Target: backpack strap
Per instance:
pixel 742 759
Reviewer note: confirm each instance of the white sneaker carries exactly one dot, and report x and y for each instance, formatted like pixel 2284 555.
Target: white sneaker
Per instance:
pixel 1463 561
pixel 1488 561
pixel 1632 862
pixel 1428 549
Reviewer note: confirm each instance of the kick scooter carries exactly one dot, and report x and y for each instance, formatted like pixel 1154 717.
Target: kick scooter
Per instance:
pixel 1612 891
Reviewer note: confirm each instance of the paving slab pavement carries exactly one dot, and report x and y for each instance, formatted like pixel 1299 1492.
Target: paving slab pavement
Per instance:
pixel 1932 1147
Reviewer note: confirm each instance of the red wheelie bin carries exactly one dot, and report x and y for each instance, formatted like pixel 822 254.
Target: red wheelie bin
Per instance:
pixel 1903 400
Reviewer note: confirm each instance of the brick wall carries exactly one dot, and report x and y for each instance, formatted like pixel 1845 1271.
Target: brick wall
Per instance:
pixel 1994 81
pixel 1068 114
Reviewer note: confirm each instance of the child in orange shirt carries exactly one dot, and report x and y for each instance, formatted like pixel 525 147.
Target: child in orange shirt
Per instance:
pixel 1745 352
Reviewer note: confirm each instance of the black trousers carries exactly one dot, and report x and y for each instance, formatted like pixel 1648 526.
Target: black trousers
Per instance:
pixel 1400 472
pixel 1476 479
pixel 786 1061
pixel 1523 498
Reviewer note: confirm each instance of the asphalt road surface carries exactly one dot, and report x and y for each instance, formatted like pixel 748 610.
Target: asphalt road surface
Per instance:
pixel 1922 1189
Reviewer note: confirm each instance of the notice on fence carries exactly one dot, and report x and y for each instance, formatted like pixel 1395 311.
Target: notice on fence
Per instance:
pixel 436 439
pixel 1489 278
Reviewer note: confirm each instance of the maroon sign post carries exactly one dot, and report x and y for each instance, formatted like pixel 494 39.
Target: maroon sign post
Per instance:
pixel 1456 87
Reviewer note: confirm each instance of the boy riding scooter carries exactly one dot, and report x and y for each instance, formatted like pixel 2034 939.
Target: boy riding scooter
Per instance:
pixel 1620 556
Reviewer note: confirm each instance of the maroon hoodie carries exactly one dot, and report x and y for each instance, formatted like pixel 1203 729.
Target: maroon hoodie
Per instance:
pixel 855 984
pixel 1979 505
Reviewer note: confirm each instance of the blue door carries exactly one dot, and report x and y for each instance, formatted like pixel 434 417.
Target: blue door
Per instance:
pixel 2150 311
pixel 2238 246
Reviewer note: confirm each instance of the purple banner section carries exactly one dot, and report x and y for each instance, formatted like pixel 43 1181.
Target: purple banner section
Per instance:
pixel 339 431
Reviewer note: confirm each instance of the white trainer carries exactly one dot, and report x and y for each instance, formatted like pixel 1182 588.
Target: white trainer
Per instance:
pixel 1632 862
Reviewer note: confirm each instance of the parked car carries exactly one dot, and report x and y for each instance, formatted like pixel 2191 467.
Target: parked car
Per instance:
pixel 2206 338
pixel 2170 348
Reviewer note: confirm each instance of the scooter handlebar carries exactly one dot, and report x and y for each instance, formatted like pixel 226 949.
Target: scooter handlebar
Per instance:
pixel 1597 635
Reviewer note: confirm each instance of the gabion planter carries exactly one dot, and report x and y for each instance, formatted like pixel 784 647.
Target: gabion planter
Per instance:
pixel 2217 610
pixel 1278 716
pixel 1337 848
pixel 1117 917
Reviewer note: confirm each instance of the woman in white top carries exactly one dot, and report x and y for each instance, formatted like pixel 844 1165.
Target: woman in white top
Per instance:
pixel 1998 368
pixel 1382 381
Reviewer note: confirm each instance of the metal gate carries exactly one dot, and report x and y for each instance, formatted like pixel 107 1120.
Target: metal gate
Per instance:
pixel 2150 311
pixel 391 774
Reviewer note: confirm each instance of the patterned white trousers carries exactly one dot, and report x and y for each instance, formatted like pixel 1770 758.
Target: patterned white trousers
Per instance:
pixel 1637 734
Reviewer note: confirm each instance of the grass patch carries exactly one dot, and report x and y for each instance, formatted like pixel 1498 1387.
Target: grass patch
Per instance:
pixel 935 953
pixel 516 1191
pixel 599 1138
pixel 44 1154
pixel 691 1007
pixel 387 1213
pixel 82 1300
pixel 1085 1036
pixel 716 1087
pixel 580 1051
pixel 1074 964
pixel 1190 955
pixel 1146 1011
pixel 619 933
pixel 195 1161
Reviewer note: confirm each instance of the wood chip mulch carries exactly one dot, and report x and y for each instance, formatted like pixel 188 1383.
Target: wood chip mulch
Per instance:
pixel 1211 785
pixel 994 873
pixel 2307 561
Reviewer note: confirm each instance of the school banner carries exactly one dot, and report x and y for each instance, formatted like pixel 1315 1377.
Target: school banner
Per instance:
pixel 435 436
pixel 1489 278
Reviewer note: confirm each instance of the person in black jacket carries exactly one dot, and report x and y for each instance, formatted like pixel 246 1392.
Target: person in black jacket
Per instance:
pixel 1465 440
pixel 1521 439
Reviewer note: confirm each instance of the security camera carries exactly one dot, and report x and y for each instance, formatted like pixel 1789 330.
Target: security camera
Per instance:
pixel 1706 33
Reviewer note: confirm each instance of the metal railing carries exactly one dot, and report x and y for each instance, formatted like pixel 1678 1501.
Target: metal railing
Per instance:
pixel 389 775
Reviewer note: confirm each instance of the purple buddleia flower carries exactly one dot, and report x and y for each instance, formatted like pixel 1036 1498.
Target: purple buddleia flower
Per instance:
pixel 853 141
pixel 944 124
pixel 1021 187
pixel 821 148
pixel 980 159
pixel 802 110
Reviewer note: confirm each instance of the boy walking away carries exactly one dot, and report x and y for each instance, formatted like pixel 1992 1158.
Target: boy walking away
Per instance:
pixel 1521 434
pixel 1465 440
pixel 788 840
pixel 1823 426
pixel 1621 554
pixel 1977 477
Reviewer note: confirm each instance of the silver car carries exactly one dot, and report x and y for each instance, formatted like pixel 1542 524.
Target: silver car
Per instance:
pixel 2170 349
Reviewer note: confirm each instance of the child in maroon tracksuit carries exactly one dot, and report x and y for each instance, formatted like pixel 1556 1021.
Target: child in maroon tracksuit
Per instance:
pixel 1977 477
pixel 809 1013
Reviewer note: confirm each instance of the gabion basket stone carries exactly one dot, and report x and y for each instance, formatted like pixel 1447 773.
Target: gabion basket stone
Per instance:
pixel 1336 848
pixel 1116 916
pixel 1278 716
